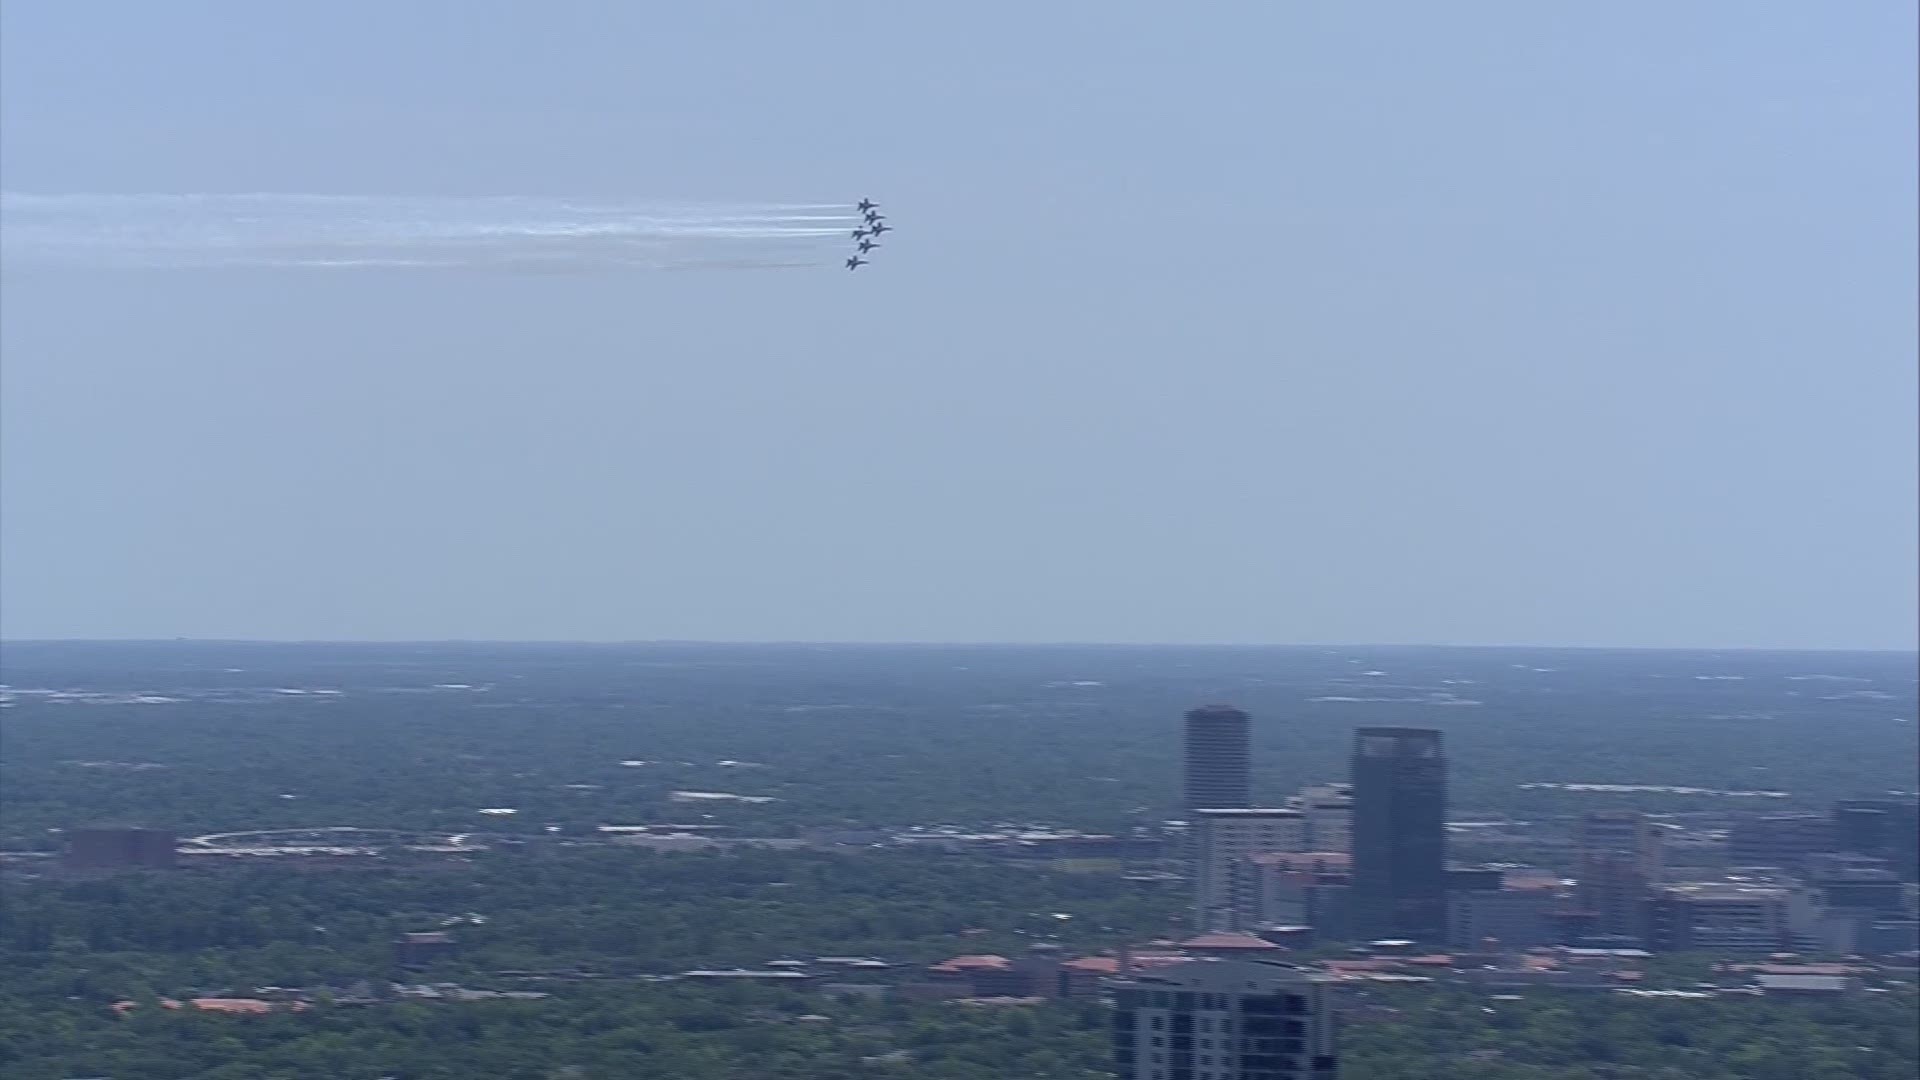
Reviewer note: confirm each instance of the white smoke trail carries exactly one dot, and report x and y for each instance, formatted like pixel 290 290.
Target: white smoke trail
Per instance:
pixel 347 232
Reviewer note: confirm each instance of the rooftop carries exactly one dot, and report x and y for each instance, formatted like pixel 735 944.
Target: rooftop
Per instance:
pixel 1226 975
pixel 980 962
pixel 1303 860
pixel 1229 941
pixel 1724 890
pixel 1822 984
pixel 1094 965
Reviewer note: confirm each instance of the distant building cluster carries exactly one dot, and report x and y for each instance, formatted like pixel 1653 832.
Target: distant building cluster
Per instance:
pixel 1368 860
pixel 1379 841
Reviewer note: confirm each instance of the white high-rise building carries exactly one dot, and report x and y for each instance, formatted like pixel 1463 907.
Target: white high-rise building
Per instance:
pixel 1224 1020
pixel 1224 837
pixel 1329 810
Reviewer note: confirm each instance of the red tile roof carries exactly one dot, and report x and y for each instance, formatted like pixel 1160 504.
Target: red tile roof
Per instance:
pixel 1094 965
pixel 1215 942
pixel 233 1006
pixel 229 1006
pixel 985 962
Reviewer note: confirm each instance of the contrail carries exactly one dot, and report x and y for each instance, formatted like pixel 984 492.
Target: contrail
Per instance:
pixel 160 232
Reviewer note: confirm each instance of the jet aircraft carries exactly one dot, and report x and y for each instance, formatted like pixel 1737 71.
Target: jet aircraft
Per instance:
pixel 871 225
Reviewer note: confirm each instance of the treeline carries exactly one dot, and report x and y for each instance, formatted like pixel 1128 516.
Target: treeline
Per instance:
pixel 625 910
pixel 730 1033
pixel 683 1033
pixel 1444 1034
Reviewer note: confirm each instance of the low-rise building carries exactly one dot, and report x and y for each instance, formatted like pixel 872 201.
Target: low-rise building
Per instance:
pixel 1784 840
pixel 1721 917
pixel 1507 918
pixel 984 975
pixel 746 975
pixel 423 949
pixel 1805 985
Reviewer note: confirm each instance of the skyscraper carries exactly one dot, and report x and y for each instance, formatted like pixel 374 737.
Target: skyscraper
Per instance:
pixel 1223 1020
pixel 1217 759
pixel 1399 834
pixel 1620 860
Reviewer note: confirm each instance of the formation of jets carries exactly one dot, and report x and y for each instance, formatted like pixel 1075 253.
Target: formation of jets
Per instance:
pixel 872 227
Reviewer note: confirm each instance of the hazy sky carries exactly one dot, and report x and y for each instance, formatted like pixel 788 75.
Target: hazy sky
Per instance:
pixel 1498 321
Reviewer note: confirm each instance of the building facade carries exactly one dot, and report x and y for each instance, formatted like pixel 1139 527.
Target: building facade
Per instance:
pixel 1784 840
pixel 421 950
pixel 1507 918
pixel 1620 860
pixel 1296 889
pixel 1727 917
pixel 1883 828
pixel 1218 753
pixel 1222 840
pixel 1224 1020
pixel 1329 810
pixel 1399 834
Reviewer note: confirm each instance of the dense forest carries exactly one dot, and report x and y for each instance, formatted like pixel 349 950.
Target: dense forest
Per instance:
pixel 742 1033
pixel 71 948
pixel 611 910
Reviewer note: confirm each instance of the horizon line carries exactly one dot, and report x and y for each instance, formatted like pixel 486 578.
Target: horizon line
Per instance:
pixel 937 644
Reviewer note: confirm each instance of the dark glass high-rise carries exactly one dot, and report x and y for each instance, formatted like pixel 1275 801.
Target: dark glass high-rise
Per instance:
pixel 1399 834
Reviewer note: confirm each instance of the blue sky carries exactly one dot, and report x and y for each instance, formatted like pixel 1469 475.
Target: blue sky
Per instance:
pixel 1499 322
